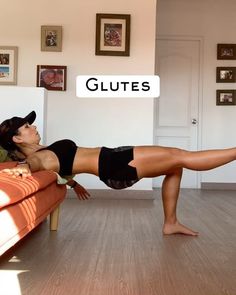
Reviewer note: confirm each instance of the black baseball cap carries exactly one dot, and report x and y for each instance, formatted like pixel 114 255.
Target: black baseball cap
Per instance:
pixel 9 127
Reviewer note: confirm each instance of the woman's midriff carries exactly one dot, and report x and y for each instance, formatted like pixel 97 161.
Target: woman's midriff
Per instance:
pixel 86 160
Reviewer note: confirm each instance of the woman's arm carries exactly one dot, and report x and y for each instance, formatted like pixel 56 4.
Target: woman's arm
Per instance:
pixel 25 167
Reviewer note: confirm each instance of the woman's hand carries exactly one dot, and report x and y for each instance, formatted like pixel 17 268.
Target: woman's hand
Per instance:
pixel 80 191
pixel 21 170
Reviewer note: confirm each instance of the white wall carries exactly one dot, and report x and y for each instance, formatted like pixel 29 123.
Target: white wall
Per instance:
pixel 90 122
pixel 215 21
pixel 17 101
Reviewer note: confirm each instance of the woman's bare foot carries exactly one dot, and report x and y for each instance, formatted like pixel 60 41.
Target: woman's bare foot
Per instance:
pixel 178 228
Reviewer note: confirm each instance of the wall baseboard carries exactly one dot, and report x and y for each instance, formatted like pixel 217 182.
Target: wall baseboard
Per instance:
pixel 117 194
pixel 218 186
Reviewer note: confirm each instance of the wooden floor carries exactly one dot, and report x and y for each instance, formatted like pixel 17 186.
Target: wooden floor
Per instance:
pixel 115 247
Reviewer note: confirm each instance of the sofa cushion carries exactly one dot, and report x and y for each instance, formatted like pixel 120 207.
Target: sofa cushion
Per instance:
pixel 20 218
pixel 13 190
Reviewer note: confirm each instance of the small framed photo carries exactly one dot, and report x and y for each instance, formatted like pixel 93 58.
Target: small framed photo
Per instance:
pixel 226 51
pixel 52 77
pixel 51 38
pixel 8 65
pixel 225 97
pixel 225 74
pixel 112 34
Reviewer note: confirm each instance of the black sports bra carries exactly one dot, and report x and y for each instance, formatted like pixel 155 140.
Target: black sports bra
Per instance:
pixel 65 151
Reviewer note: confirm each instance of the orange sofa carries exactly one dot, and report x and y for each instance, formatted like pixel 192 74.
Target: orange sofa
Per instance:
pixel 24 203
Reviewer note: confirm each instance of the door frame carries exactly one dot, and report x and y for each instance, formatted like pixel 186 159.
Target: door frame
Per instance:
pixel 200 39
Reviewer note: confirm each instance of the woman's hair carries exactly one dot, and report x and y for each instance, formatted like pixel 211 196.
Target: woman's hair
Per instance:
pixel 9 128
pixel 8 144
pixel 16 155
pixel 13 150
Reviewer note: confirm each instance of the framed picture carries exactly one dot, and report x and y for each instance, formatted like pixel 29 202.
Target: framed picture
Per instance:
pixel 51 38
pixel 112 34
pixel 225 74
pixel 8 65
pixel 52 77
pixel 225 97
pixel 226 51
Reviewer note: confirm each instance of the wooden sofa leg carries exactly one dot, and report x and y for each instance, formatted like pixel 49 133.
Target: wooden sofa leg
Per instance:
pixel 54 217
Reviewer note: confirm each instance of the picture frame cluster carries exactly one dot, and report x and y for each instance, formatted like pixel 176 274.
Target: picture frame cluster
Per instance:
pixel 112 38
pixel 226 74
pixel 51 77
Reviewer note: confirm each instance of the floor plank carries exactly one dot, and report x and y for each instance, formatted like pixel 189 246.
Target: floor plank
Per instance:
pixel 115 247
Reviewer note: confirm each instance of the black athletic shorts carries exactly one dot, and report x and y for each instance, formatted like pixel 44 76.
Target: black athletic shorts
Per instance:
pixel 114 169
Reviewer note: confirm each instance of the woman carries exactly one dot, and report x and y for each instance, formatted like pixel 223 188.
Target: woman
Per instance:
pixel 118 168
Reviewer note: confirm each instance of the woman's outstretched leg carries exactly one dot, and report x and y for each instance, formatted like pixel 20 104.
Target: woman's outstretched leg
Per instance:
pixel 153 161
pixel 170 194
pixel 209 159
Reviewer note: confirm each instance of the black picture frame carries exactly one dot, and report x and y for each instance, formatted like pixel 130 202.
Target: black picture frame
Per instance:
pixel 225 97
pixel 226 51
pixel 226 74
pixel 112 34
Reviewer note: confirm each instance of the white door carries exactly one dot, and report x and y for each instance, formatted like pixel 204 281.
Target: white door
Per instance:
pixel 176 111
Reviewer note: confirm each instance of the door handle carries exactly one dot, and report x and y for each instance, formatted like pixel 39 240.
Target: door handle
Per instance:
pixel 194 121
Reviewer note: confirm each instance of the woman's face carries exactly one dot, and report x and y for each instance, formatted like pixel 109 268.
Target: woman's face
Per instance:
pixel 28 134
